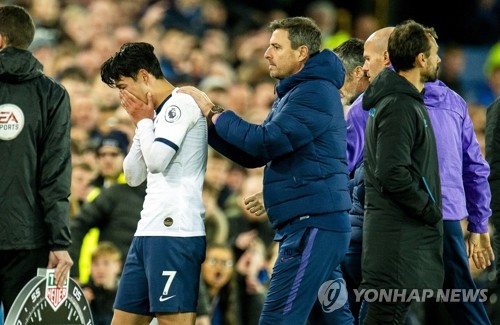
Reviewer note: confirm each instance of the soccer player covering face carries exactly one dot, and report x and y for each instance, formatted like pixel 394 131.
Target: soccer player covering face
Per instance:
pixel 162 270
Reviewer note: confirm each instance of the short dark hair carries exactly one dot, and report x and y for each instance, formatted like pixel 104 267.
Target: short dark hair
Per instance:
pixel 301 31
pixel 406 42
pixel 128 61
pixel 351 54
pixel 17 26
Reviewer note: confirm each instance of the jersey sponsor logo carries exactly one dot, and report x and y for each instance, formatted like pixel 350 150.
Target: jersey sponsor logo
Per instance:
pixel 11 121
pixel 172 114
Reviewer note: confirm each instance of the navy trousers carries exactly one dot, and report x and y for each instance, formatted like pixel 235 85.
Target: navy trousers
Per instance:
pixel 457 276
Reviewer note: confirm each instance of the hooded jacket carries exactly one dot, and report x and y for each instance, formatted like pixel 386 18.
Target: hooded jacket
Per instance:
pixel 302 144
pixel 402 231
pixel 400 156
pixel 35 162
pixel 462 168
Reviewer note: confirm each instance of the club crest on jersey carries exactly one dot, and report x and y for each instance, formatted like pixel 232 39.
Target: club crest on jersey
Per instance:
pixel 172 114
pixel 11 121
pixel 54 295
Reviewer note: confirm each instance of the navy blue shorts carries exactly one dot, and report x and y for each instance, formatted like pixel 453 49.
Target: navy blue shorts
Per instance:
pixel 161 275
pixel 307 283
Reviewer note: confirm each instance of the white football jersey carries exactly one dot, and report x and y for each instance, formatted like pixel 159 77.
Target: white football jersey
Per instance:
pixel 173 204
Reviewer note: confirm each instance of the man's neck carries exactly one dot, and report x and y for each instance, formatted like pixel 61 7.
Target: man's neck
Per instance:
pixel 162 90
pixel 413 76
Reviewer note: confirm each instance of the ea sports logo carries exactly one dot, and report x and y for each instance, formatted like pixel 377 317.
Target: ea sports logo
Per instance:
pixel 11 121
pixel 332 295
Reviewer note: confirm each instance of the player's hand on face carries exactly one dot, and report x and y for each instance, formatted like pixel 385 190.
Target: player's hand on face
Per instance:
pixel 199 97
pixel 136 108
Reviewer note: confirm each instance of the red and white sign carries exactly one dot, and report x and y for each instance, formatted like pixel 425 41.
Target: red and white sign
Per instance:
pixel 54 295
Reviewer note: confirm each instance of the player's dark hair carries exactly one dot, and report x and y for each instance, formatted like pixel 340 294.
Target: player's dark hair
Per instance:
pixel 128 61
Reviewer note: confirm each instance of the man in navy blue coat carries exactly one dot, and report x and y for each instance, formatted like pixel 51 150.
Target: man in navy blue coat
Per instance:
pixel 302 144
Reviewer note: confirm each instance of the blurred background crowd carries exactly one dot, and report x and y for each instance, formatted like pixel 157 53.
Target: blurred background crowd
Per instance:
pixel 218 46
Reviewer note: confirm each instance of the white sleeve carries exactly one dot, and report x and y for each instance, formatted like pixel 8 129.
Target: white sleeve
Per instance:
pixel 157 152
pixel 134 166
pixel 161 139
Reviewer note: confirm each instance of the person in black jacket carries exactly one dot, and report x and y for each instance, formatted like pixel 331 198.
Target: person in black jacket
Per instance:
pixel 403 228
pixel 115 220
pixel 36 162
pixel 492 138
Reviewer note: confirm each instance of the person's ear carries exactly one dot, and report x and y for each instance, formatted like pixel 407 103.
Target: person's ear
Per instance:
pixel 303 53
pixel 386 58
pixel 143 76
pixel 3 42
pixel 420 60
pixel 358 72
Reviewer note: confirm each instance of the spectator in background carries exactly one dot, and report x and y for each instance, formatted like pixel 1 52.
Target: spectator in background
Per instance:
pixel 492 69
pixel 81 178
pixel 100 292
pixel 109 219
pixel 452 67
pixel 105 98
pixel 74 79
pixel 216 222
pixel 253 281
pixel 36 172
pixel 364 25
pixel 217 273
pixel 174 49
pixel 216 87
pixel 84 116
pixel 216 175
pixel 325 14
pixel 185 15
pixel 111 152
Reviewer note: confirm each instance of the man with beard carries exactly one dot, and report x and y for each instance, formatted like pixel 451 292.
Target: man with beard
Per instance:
pixel 403 229
pixel 463 175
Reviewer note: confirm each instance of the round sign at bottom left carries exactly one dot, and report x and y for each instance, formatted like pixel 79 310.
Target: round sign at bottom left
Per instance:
pixel 41 302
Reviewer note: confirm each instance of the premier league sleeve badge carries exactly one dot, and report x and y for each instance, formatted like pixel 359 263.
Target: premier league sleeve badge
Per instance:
pixel 172 114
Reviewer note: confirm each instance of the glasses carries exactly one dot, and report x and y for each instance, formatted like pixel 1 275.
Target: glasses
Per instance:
pixel 110 154
pixel 216 261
